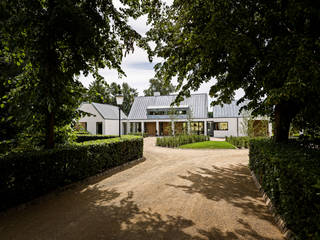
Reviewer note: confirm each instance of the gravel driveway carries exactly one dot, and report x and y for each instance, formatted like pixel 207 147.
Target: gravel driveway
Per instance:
pixel 174 194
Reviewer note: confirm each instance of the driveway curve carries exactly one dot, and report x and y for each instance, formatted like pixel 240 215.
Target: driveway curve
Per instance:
pixel 174 194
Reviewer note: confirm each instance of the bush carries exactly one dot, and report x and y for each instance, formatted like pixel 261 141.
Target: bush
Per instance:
pixel 88 137
pixel 179 140
pixel 24 176
pixel 241 142
pixel 290 176
pixel 139 134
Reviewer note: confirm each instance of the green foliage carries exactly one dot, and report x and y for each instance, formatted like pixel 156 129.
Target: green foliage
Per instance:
pixel 56 41
pixel 139 134
pixel 239 142
pixel 159 85
pixel 267 48
pixel 290 175
pixel 209 145
pixel 176 141
pixel 101 92
pixel 88 137
pixel 26 175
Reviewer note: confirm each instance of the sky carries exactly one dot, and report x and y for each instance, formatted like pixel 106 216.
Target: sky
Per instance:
pixel 137 67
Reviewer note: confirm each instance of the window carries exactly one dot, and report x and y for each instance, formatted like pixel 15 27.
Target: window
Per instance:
pixel 197 128
pixel 99 128
pixel 221 126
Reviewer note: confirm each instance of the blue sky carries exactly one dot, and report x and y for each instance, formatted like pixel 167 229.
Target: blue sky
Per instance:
pixel 137 67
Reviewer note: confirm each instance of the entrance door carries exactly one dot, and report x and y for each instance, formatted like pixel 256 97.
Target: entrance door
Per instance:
pixel 124 127
pixel 99 128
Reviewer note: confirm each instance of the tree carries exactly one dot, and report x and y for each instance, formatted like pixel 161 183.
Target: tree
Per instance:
pixel 158 85
pixel 270 49
pixel 101 92
pixel 62 38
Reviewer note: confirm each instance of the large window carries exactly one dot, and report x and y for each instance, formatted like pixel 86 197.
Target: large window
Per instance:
pixel 197 128
pixel 221 126
pixel 135 127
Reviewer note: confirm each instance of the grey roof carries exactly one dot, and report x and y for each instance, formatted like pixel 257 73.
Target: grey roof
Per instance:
pixel 198 103
pixel 229 110
pixel 108 111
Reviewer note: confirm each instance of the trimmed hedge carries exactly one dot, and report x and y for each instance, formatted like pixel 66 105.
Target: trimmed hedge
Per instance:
pixel 239 142
pixel 139 134
pixel 290 176
pixel 88 137
pixel 24 176
pixel 179 140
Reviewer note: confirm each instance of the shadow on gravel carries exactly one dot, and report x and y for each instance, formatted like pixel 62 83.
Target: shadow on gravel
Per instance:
pixel 233 184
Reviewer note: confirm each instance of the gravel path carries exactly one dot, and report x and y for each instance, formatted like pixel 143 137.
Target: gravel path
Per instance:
pixel 174 194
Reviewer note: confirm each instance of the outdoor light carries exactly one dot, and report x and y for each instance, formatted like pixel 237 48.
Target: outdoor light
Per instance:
pixel 119 99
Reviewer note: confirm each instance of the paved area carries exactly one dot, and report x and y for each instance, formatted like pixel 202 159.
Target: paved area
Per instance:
pixel 174 194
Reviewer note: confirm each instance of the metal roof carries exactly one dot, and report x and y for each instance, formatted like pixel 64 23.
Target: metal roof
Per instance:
pixel 108 111
pixel 198 103
pixel 167 107
pixel 228 110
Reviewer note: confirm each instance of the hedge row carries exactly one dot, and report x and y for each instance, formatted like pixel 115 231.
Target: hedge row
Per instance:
pixel 88 137
pixel 139 134
pixel 290 175
pixel 179 140
pixel 239 142
pixel 24 176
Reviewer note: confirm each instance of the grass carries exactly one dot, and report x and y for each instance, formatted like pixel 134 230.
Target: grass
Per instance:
pixel 209 145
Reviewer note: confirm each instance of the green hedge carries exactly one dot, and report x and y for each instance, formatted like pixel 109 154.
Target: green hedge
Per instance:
pixel 24 176
pixel 290 175
pixel 241 142
pixel 88 137
pixel 179 140
pixel 138 134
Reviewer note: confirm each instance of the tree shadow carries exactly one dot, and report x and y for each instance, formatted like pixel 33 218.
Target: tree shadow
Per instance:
pixel 233 184
pixel 246 232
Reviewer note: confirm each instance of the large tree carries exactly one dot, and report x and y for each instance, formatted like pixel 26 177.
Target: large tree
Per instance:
pixel 61 38
pixel 101 92
pixel 158 85
pixel 270 49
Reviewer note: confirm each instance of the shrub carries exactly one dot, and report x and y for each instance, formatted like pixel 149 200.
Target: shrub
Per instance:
pixel 179 140
pixel 26 175
pixel 138 134
pixel 88 137
pixel 290 176
pixel 241 142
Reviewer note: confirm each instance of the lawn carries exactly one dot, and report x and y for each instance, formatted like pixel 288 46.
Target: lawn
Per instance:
pixel 209 145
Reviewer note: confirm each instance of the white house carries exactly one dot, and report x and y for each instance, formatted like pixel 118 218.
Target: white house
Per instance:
pixel 228 121
pixel 155 116
pixel 103 119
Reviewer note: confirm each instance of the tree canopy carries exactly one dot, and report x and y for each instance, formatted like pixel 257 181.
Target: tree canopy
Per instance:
pixel 270 49
pixel 158 85
pixel 101 92
pixel 55 40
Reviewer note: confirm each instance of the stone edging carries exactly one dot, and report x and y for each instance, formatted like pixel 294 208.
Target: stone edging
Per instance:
pixel 108 172
pixel 288 234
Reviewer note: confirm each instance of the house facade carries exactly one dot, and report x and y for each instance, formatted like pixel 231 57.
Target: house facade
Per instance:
pixel 155 116
pixel 228 121
pixel 102 119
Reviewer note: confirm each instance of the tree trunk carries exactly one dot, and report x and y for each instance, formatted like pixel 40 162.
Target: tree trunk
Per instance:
pixel 50 130
pixel 284 113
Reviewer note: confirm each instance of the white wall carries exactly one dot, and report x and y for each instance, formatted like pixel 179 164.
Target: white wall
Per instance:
pixel 91 120
pixel 112 127
pixel 232 127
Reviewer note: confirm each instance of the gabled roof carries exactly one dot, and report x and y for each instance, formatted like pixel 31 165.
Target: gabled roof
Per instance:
pixel 108 111
pixel 198 103
pixel 229 110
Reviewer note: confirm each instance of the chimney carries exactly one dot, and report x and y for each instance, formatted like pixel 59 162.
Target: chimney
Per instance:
pixel 156 94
